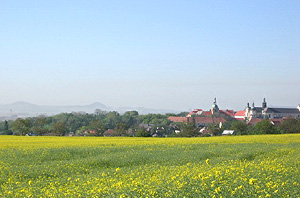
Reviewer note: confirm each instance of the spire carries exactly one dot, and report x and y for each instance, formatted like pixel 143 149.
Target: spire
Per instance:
pixel 214 107
pixel 264 104
pixel 253 106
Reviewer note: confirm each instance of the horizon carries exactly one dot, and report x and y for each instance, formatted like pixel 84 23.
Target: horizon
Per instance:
pixel 152 54
pixel 179 110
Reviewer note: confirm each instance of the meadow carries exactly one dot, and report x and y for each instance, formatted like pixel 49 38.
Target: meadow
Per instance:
pixel 233 166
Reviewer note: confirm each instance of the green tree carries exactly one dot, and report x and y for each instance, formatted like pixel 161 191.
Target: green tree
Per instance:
pixel 97 126
pixel 22 126
pixel 5 126
pixel 74 120
pixel 182 114
pixel 81 131
pixel 130 118
pixel 40 126
pixel 290 125
pixel 121 129
pixel 265 127
pixel 240 128
pixel 59 128
pixel 214 129
pixel 187 130
pixel 100 112
pixel 111 120
pixel 142 132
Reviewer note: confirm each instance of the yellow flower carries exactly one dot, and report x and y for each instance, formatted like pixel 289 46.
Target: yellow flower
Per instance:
pixel 207 161
pixel 217 190
pixel 252 181
pixel 118 169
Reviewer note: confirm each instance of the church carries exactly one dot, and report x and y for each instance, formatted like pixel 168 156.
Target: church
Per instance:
pixel 270 112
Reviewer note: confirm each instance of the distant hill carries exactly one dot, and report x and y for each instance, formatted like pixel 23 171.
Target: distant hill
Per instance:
pixel 25 109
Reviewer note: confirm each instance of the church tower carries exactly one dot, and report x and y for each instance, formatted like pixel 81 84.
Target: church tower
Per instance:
pixel 247 111
pixel 264 104
pixel 214 109
pixel 253 111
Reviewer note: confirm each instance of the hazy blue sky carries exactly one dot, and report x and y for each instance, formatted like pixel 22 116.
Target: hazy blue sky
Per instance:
pixel 160 54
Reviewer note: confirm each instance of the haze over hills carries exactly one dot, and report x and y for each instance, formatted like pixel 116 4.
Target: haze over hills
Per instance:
pixel 25 109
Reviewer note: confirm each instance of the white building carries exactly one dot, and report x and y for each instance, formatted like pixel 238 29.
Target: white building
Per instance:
pixel 270 112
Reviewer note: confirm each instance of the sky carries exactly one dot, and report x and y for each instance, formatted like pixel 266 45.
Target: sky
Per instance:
pixel 168 54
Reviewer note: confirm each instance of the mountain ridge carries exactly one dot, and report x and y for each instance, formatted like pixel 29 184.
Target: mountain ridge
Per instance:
pixel 26 109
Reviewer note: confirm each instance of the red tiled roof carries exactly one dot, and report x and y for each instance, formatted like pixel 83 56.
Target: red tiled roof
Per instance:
pixel 228 112
pixel 240 113
pixel 219 119
pixel 177 119
pixel 207 113
pixel 277 121
pixel 109 132
pixel 195 111
pixel 254 121
pixel 209 120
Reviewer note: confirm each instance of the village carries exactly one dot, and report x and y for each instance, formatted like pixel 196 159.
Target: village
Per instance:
pixel 250 116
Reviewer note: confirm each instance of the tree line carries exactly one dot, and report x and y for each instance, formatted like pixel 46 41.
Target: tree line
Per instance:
pixel 288 125
pixel 130 123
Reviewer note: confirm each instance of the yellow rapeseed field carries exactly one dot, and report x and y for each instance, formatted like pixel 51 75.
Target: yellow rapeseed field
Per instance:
pixel 233 166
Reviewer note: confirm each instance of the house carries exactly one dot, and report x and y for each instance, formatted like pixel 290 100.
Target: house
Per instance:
pixel 158 132
pixel 281 112
pixel 177 119
pixel 177 131
pixel 195 112
pixel 148 127
pixel 254 121
pixel 89 132
pixel 205 132
pixel 270 112
pixel 228 112
pixel 214 111
pixel 275 121
pixel 204 118
pixel 205 121
pixel 240 115
pixel 228 132
pixel 109 132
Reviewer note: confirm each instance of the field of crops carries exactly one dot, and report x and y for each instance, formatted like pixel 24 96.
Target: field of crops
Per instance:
pixel 236 166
